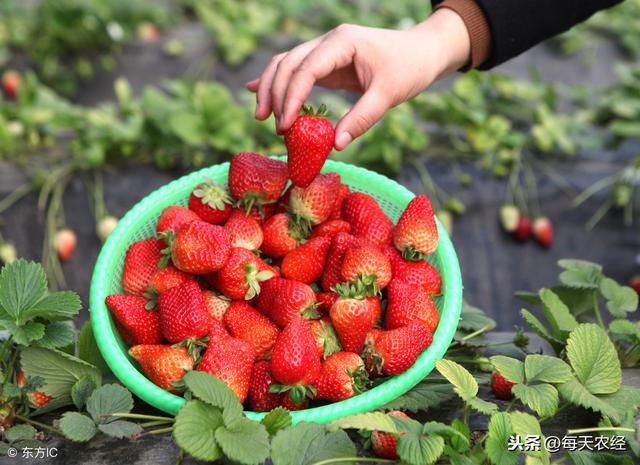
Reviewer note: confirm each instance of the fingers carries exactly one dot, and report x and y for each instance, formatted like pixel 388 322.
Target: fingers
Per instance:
pixel 252 85
pixel 263 92
pixel 365 113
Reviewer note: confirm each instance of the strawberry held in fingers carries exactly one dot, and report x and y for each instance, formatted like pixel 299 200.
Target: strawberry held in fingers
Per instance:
pixel 417 273
pixel 368 220
pixel 407 303
pixel 543 231
pixel 280 236
pixel 306 263
pixel 256 180
pixel 342 376
pixel 248 324
pixel 242 275
pixel 244 230
pixel 284 299
pixel 353 315
pixel 385 444
pixel 174 217
pixel 211 202
pixel 260 399
pixel 136 324
pixel 164 365
pixel 309 141
pixel 501 387
pixel 314 204
pixel 140 265
pixel 65 243
pixel 416 233
pixel 183 313
pixel 367 264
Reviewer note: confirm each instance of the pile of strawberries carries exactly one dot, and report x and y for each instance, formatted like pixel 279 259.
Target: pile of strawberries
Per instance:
pixel 286 294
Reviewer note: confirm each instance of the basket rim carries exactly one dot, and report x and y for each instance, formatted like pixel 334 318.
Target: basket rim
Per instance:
pixel 120 364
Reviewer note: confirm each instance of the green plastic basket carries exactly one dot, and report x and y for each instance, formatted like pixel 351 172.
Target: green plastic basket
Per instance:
pixel 140 223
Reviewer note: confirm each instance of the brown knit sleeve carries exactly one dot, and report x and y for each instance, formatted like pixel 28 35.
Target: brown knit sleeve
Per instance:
pixel 477 25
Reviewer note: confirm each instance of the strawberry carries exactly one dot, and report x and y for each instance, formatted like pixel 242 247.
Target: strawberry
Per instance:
pixel 281 236
pixel 314 204
pixel 354 315
pixel 309 141
pixel 306 263
pixel 283 299
pixel 407 303
pixel 166 278
pixel 198 247
pixel 417 273
pixel 216 330
pixel 65 242
pixel 384 444
pixel 164 365
pixel 183 312
pixel 242 275
pixel 8 254
pixel 216 304
pixel 295 362
pixel 501 387
pixel 291 405
pixel 634 283
pixel 416 233
pixel 368 264
pixel 136 324
pixel 11 81
pixel 523 229
pixel 105 227
pixel 140 265
pixel 230 359
pixel 394 351
pixel 324 333
pixel 283 203
pixel 509 217
pixel 245 231
pixel 325 301
pixel 174 217
pixel 260 399
pixel 368 220
pixel 263 212
pixel 248 324
pixel 333 267
pixel 543 231
pixel 330 228
pixel 37 398
pixel 255 179
pixel 148 32
pixel 342 376
pixel 211 202
pixel 336 214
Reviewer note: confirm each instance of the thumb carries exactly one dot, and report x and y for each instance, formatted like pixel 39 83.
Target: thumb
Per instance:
pixel 364 114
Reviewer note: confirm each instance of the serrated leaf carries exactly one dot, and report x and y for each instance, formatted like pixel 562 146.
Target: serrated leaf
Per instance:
pixel 308 443
pixel 626 327
pixel 372 421
pixel 88 349
pixel 194 430
pixel 573 391
pixel 510 368
pixel 460 444
pixel 557 313
pixel 22 284
pixel 26 333
pixel 473 318
pixel 19 433
pixel 416 449
pixel 81 391
pixel 482 405
pixel 594 359
pixel 188 127
pixel 215 392
pixel 234 441
pixel 425 395
pixel 65 304
pixel 107 399
pixel 524 424
pixel 56 334
pixel 580 273
pixel 277 419
pixel 77 427
pixel 599 458
pixel 541 398
pixel 625 399
pixel 538 328
pixel 548 369
pixel 463 383
pixel 120 429
pixel 436 427
pixel 620 299
pixel 497 439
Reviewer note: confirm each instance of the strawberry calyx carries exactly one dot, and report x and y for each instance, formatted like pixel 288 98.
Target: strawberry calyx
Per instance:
pixel 370 283
pixel 359 379
pixel 152 294
pixel 412 255
pixel 254 199
pixel 253 277
pixel 308 110
pixel 331 342
pixel 374 360
pixel 297 392
pixel 168 237
pixel 194 346
pixel 213 195
pixel 310 312
pixel 351 290
pixel 299 228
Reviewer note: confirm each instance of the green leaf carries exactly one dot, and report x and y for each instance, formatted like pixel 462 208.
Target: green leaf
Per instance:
pixel 427 394
pixel 10 390
pixel 107 399
pixel 77 427
pixel 120 429
pixel 194 430
pixel 620 299
pixel 541 398
pixel 56 334
pixel 573 391
pixel 538 328
pixel 25 334
pixel 81 391
pixel 277 419
pixel 22 284
pixel 415 449
pixel 308 443
pixel 625 399
pixel 372 421
pixel 547 369
pixel 19 433
pixel 88 349
pixel 463 383
pixel 580 274
pixel 599 458
pixel 497 439
pixel 215 392
pixel 234 441
pixel 460 444
pixel 436 427
pixel 557 313
pixel 482 405
pixel 524 424
pixel 594 359
pixel 473 319
pixel 188 127
pixel 65 304
pixel 510 368
pixel 626 327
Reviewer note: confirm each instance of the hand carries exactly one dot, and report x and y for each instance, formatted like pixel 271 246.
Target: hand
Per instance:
pixel 386 66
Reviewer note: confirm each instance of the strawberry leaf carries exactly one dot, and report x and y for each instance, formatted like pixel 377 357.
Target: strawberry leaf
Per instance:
pixel 599 458
pixel 557 314
pixel 580 273
pixel 81 391
pixel 56 334
pixel 309 443
pixel 419 449
pixel 524 424
pixel 22 285
pixel 576 393
pixel 120 429
pixel 233 442
pixel 496 443
pixel 279 418
pixel 216 393
pixel 541 398
pixel 463 383
pixel 510 368
pixel 108 399
pixel 20 433
pixel 194 430
pixel 373 421
pixel 77 427
pixel 427 394
pixel 620 299
pixel 547 369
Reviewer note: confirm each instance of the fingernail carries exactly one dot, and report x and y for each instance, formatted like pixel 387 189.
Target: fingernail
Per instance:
pixel 343 139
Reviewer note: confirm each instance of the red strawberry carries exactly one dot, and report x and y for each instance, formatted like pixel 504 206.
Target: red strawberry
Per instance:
pixel 11 81
pixel 336 214
pixel 384 444
pixel 368 264
pixel 416 273
pixel 326 301
pixel 333 268
pixel 394 351
pixel 634 283
pixel 281 236
pixel 543 231
pixel 242 276
pixel 314 204
pixel 283 203
pixel 174 217
pixel 327 341
pixel 216 304
pixel 211 202
pixel 353 316
pixel 407 303
pixel 330 228
pixel 306 263
pixel 248 324
pixel 164 365
pixel 230 359
pixel 368 220
pixel 65 243
pixel 309 141
pixel 262 212
pixel 416 233
pixel 283 299
pixel 167 278
pixel 523 229
pixel 136 324
pixel 183 313
pixel 149 32
pixel 509 217
pixel 199 247
pixel 342 376
pixel 217 330
pixel 37 398
pixel 245 231
pixel 291 405
pixel 255 179
pixel 501 387
pixel 295 361
pixel 140 265
pixel 260 399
